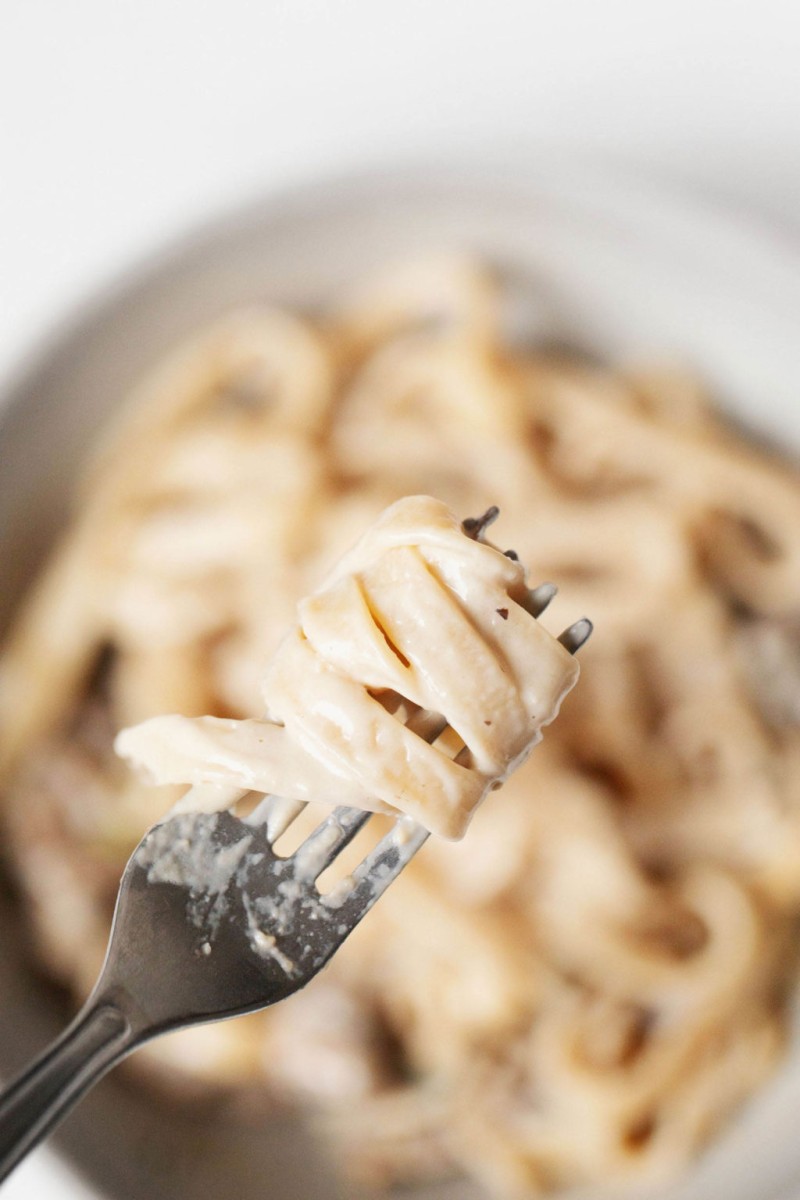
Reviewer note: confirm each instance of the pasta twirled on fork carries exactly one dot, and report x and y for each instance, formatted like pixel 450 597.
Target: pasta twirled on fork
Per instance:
pixel 419 627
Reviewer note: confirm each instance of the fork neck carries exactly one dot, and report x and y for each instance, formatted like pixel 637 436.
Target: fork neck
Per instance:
pixel 99 1037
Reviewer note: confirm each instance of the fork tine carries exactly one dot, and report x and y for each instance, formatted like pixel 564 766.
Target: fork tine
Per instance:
pixel 277 813
pixel 539 598
pixel 475 527
pixel 329 838
pixel 381 867
pixel 573 638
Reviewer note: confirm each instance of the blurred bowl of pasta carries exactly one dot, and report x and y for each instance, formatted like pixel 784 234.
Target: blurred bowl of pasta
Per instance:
pixel 594 989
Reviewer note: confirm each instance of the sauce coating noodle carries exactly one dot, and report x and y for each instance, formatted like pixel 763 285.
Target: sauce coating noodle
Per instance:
pixel 416 681
pixel 597 977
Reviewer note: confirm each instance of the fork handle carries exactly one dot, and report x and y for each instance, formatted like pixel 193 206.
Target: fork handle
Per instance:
pixel 44 1093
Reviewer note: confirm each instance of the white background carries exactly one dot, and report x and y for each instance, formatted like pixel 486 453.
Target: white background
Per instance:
pixel 122 121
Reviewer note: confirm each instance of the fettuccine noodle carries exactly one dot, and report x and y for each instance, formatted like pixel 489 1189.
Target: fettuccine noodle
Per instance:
pixel 415 682
pixel 596 977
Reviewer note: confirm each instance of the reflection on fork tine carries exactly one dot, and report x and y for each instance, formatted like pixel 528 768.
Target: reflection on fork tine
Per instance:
pixel 378 869
pixel 277 813
pixel 539 598
pixel 327 841
pixel 574 637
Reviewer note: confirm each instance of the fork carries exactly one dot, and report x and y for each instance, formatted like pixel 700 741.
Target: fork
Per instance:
pixel 212 922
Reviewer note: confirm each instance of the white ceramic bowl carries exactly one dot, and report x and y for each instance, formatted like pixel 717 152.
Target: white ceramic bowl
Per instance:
pixel 617 266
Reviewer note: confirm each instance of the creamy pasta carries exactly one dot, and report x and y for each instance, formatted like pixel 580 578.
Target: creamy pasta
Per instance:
pixel 415 681
pixel 587 986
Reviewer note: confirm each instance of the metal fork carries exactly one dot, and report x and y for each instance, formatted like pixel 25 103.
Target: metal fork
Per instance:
pixel 211 922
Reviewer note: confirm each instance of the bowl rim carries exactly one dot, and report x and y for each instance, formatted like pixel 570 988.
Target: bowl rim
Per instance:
pixel 487 172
